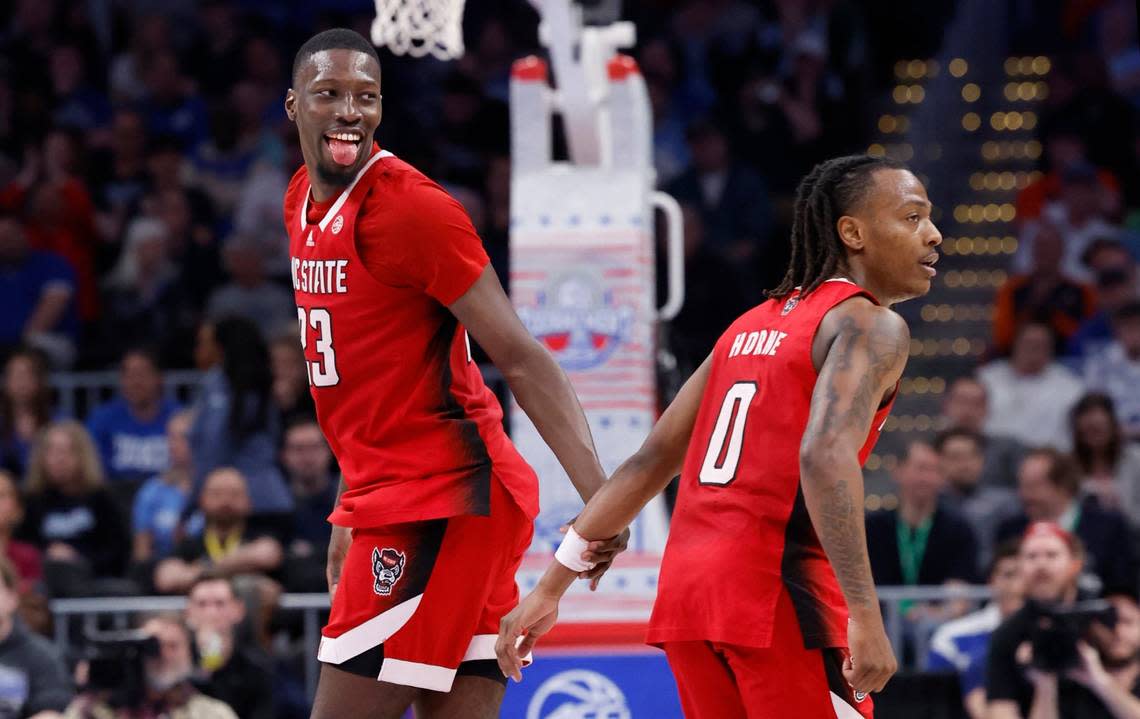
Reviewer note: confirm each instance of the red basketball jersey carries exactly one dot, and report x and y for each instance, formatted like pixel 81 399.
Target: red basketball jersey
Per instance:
pixel 416 432
pixel 740 529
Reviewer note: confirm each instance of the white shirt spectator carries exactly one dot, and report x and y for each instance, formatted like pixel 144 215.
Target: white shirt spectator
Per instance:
pixel 1031 408
pixel 1114 373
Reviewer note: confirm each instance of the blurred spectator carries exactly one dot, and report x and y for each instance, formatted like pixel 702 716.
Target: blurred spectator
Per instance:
pixel 1078 216
pixel 291 393
pixel 25 407
pixel 308 464
pixel 1064 148
pixel 249 293
pixel 118 173
pixel 218 49
pixel 966 406
pixel 1110 466
pixel 231 543
pixel 38 290
pixel 1111 660
pixel 235 422
pixel 1119 48
pixel 36 682
pixel 714 297
pixel 962 456
pixel 659 65
pixel 78 105
pixel 961 645
pixel 130 431
pixel 226 158
pixel 190 242
pixel 168 691
pixel 168 107
pixel 161 500
pixel 731 197
pixel 1048 485
pixel 1044 295
pixel 1030 384
pixel 1115 370
pixel 25 558
pixel 58 211
pixel 1051 561
pixel 145 298
pixel 921 542
pixel 71 516
pixel 229 670
pixel 150 36
pixel 1116 285
pixel 471 128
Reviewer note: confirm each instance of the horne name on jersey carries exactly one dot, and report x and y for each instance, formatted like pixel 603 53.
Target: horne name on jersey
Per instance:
pixel 763 342
pixel 320 277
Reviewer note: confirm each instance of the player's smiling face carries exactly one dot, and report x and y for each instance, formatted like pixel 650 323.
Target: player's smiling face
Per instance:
pixel 900 241
pixel 336 105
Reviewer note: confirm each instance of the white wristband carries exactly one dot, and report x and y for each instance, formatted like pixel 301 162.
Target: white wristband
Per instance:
pixel 569 553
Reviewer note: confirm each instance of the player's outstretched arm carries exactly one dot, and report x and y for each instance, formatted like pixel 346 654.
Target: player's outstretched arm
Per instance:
pixel 868 348
pixel 636 481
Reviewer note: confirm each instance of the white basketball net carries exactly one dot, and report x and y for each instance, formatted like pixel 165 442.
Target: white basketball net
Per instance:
pixel 420 27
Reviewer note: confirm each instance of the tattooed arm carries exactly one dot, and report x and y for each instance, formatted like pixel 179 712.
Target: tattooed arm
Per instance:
pixel 861 350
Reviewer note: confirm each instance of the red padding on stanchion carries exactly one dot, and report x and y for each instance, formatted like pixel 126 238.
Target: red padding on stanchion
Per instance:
pixel 622 66
pixel 531 68
pixel 594 634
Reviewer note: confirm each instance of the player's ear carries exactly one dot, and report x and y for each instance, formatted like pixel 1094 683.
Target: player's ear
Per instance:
pixel 851 232
pixel 291 105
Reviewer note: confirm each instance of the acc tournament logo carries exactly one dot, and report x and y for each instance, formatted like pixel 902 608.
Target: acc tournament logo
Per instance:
pixel 337 224
pixel 578 694
pixel 578 321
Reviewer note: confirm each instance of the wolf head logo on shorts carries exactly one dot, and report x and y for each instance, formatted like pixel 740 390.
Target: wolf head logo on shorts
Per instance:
pixel 387 567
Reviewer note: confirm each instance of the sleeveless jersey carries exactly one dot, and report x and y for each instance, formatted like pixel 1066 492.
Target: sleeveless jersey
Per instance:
pixel 416 432
pixel 740 533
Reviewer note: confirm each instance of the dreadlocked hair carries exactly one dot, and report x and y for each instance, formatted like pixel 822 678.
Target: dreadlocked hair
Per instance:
pixel 827 193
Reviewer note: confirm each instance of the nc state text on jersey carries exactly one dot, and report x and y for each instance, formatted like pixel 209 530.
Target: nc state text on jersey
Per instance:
pixel 320 277
pixel 763 342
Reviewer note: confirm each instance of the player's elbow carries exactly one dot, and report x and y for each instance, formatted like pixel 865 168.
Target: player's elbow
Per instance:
pixel 820 455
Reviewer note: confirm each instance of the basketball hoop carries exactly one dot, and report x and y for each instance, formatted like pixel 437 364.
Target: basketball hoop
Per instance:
pixel 420 27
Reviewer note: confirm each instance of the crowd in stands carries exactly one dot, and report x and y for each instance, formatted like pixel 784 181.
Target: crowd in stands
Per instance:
pixel 143 158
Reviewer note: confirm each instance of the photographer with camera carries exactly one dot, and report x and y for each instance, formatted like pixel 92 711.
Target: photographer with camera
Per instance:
pixel 145 674
pixel 1058 656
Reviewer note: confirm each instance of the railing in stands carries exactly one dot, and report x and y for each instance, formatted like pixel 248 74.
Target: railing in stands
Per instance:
pixel 121 610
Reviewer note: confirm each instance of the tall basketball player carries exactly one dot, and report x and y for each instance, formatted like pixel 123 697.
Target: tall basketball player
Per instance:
pixel 766 606
pixel 436 505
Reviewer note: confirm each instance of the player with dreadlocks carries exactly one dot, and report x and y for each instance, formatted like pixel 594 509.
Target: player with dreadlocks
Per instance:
pixel 766 606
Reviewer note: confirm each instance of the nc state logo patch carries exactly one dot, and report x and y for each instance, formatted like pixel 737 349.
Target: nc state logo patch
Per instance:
pixel 789 306
pixel 387 568
pixel 337 224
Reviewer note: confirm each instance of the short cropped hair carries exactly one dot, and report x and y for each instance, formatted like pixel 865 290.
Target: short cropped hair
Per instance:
pixel 338 38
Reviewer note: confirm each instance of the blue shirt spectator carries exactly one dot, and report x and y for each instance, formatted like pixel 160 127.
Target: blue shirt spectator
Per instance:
pixel 37 289
pixel 161 501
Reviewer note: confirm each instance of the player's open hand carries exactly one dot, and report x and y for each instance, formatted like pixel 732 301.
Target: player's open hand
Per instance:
pixel 871 662
pixel 533 617
pixel 338 547
pixel 602 552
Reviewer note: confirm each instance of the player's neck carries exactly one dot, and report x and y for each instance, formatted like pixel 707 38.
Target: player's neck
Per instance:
pixel 322 191
pixel 858 274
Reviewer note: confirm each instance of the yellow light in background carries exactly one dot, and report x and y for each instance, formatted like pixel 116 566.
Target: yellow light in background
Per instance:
pixel 887 124
pixel 1041 65
pixel 900 69
pixel 1009 245
pixel 961 213
pixel 922 422
pixel 958 67
pixel 903 123
pixel 977 213
pixel 1041 90
pixel 997 277
pixel 917 94
pixel 873 502
pixel 977 347
pixel 1010 91
pixel 990 213
pixel 1010 66
pixel 915 347
pixel 971 92
pixel 1030 120
pixel 1035 176
pixel 1013 121
pixel 948 246
pixel 921 385
pixel 937 385
pixel 1007 181
pixel 978 180
pixel 1007 213
pixel 953 279
pixel 991 181
pixel 990 150
pixel 945 314
pixel 963 246
pixel 929 313
pixel 971 121
pixel 1017 149
pixel 997 121
pixel 1025 65
pixel 961 347
pixel 876 150
pixel 901 94
pixel 969 278
pixel 1026 91
pixel 916 68
pixel 1033 149
pixel 890 501
pixel 904 151
pixel 993 244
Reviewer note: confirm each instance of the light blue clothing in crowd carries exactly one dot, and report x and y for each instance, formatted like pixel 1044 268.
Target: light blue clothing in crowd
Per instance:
pixel 157 510
pixel 132 449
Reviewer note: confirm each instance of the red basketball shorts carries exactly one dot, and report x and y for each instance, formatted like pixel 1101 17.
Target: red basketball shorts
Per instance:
pixel 417 600
pixel 729 681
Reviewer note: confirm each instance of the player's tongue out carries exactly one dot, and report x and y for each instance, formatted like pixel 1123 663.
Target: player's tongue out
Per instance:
pixel 343 151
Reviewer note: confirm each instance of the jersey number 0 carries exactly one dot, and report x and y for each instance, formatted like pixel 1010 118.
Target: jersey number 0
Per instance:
pixel 322 373
pixel 723 453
